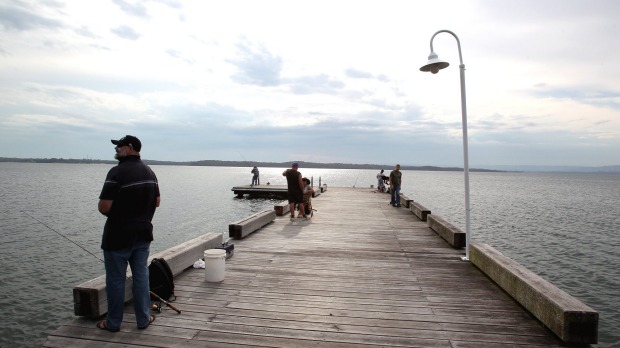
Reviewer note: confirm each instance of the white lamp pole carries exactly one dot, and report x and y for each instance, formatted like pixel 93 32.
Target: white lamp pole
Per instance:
pixel 433 65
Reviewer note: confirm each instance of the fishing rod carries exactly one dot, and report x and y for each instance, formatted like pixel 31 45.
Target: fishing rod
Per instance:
pixel 358 176
pixel 97 257
pixel 165 302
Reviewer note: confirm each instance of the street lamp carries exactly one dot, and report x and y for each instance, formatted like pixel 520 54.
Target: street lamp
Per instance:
pixel 433 65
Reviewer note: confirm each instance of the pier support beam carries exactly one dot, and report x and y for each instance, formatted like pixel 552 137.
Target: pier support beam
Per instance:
pixel 566 316
pixel 242 228
pixel 282 208
pixel 452 234
pixel 418 210
pixel 405 201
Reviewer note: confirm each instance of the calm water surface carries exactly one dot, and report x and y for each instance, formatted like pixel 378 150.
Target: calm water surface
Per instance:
pixel 561 226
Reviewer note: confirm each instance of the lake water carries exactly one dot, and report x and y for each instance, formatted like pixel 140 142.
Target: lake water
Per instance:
pixel 564 227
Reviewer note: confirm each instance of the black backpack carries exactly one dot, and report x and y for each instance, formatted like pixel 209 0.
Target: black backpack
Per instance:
pixel 161 280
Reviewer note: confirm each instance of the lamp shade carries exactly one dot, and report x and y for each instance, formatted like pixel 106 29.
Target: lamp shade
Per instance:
pixel 434 64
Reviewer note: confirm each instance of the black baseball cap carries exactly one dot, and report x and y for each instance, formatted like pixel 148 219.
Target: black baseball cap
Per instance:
pixel 128 140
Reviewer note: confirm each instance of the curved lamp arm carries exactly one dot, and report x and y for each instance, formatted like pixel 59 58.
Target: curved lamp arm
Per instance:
pixel 458 42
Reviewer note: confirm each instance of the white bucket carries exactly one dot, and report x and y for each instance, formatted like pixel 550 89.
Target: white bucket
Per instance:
pixel 214 265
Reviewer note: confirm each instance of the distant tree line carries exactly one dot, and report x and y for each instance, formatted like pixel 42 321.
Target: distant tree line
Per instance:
pixel 55 160
pixel 217 163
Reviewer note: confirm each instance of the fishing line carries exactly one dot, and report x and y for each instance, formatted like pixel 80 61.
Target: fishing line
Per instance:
pixel 62 235
pixel 243 158
pixel 97 257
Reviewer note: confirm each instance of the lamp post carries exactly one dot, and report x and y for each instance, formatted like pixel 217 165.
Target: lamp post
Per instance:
pixel 433 65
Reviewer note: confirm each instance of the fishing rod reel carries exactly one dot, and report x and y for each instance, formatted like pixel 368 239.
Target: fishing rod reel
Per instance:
pixel 157 307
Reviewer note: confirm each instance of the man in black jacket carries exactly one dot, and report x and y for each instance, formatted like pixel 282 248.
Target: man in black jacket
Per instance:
pixel 129 198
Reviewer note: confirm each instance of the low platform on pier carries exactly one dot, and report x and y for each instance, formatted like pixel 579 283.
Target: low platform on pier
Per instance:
pixel 361 273
pixel 261 190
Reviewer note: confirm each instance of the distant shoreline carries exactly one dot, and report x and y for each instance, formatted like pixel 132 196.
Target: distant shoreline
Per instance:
pixel 614 169
pixel 217 163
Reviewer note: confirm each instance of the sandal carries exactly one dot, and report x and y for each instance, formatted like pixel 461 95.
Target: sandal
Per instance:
pixel 103 325
pixel 151 319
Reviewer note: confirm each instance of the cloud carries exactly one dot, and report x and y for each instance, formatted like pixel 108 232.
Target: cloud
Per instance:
pixel 315 84
pixel 581 94
pixel 171 3
pixel 126 32
pixel 15 18
pixel 137 9
pixel 256 65
pixel 358 74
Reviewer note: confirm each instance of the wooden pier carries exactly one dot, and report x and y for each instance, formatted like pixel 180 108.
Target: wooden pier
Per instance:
pixel 361 273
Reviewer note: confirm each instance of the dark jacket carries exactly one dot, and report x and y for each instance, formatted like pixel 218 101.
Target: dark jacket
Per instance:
pixel 133 188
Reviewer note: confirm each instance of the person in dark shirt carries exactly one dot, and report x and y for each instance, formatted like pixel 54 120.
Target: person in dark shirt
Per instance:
pixel 129 197
pixel 395 181
pixel 295 191
pixel 255 178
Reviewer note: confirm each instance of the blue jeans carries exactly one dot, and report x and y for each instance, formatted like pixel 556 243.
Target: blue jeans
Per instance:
pixel 255 180
pixel 395 195
pixel 115 269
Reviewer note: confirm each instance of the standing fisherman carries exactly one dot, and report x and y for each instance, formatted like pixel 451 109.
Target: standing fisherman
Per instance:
pixel 395 177
pixel 255 179
pixel 129 198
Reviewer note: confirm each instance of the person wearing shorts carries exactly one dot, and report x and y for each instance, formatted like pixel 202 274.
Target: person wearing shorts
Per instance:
pixel 295 192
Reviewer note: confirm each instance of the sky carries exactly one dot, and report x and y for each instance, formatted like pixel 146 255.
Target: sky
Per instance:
pixel 333 81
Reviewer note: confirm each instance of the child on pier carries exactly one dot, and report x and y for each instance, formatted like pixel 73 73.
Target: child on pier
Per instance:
pixel 308 191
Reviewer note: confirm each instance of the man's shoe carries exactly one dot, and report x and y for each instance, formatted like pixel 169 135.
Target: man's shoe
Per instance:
pixel 103 325
pixel 151 320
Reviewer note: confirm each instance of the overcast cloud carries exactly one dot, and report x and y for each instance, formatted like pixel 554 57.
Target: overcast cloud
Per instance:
pixel 324 81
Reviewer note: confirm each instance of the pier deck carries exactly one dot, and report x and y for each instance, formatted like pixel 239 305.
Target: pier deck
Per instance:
pixel 361 273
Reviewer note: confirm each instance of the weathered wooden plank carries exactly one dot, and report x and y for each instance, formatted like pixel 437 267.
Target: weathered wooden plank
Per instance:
pixel 194 311
pixel 88 337
pixel 419 332
pixel 71 342
pixel 433 299
pixel 312 338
